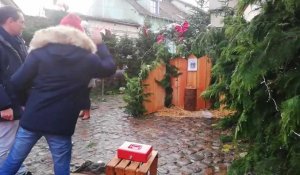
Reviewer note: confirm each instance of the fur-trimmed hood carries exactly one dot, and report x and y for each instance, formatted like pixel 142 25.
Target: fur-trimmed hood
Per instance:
pixel 62 35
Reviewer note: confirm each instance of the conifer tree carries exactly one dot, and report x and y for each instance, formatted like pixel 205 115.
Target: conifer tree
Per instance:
pixel 258 71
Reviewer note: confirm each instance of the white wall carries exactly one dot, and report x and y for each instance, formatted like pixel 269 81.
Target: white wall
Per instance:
pixel 145 4
pixel 114 9
pixel 117 29
pixel 251 11
pixel 182 7
pixel 218 4
pixel 32 7
pixel 217 19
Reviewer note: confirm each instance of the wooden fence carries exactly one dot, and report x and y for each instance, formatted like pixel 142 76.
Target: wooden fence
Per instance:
pixel 198 79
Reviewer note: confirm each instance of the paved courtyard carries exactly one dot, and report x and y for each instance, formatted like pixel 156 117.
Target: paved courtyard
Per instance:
pixel 186 145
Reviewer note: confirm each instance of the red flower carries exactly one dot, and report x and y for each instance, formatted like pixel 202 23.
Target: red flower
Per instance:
pixel 160 38
pixel 181 29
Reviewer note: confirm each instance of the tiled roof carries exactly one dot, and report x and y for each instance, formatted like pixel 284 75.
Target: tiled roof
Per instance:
pixel 167 11
pixel 138 7
pixel 185 3
pixel 87 17
pixel 9 2
pixel 124 22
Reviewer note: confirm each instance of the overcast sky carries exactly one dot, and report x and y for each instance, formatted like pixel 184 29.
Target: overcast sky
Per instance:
pixel 35 7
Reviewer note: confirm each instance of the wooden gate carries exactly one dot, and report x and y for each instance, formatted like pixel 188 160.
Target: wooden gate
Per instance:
pixel 198 79
pixel 156 100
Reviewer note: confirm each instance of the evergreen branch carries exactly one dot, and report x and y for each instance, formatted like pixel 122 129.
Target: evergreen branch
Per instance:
pixel 269 93
pixel 296 133
pixel 147 51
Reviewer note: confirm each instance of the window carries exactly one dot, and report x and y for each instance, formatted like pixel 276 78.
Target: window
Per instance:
pixel 154 6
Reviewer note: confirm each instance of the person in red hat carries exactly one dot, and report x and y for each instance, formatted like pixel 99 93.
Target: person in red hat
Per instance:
pixel 61 62
pixel 74 21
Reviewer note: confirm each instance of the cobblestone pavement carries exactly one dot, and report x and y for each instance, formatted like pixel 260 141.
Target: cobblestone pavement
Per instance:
pixel 186 145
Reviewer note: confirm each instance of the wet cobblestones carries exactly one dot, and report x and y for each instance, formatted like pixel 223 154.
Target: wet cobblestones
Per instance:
pixel 186 145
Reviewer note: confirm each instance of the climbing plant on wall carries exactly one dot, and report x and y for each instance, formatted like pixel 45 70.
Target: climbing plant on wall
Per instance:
pixel 144 51
pixel 140 63
pixel 160 54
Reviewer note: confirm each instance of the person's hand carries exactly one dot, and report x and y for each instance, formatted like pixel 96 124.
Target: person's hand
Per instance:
pixel 7 114
pixel 85 114
pixel 96 37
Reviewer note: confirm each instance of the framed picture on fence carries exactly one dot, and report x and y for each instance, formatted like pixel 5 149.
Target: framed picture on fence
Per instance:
pixel 192 64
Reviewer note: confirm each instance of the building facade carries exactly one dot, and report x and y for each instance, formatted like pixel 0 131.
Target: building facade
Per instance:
pixel 124 17
pixel 121 17
pixel 217 11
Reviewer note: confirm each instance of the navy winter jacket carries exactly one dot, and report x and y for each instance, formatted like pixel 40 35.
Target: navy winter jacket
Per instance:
pixel 56 73
pixel 12 54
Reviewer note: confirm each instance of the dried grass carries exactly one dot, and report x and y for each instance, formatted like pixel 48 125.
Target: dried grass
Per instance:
pixel 179 112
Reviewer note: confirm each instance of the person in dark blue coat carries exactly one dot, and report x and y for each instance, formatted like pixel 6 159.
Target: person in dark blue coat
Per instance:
pixel 61 62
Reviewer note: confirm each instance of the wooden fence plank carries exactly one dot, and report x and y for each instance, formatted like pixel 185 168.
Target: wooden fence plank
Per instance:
pixel 149 88
pixel 157 97
pixel 159 91
pixel 203 81
pixel 179 83
pixel 208 79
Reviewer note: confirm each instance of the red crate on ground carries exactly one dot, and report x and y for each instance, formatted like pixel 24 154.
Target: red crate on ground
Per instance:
pixel 134 151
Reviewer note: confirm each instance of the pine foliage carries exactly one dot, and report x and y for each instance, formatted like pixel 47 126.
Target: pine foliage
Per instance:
pixel 258 71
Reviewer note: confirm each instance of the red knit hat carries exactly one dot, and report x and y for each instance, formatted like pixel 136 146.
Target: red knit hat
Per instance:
pixel 72 20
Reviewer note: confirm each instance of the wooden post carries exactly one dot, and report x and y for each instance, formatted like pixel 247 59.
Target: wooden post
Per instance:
pixel 152 162
pixel 153 167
